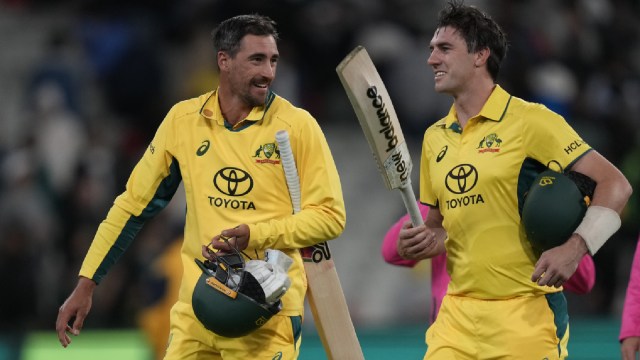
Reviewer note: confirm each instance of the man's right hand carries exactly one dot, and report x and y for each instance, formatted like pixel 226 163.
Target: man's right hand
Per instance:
pixel 417 243
pixel 76 307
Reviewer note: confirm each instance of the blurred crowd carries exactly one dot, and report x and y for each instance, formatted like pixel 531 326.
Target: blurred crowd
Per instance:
pixel 84 84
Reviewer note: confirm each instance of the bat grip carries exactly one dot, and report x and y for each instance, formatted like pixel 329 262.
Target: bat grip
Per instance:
pixel 410 203
pixel 290 169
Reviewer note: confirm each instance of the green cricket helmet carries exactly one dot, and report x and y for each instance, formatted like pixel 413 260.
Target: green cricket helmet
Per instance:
pixel 554 207
pixel 228 300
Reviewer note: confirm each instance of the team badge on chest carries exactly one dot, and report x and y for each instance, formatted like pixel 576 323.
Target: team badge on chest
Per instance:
pixel 265 152
pixel 490 143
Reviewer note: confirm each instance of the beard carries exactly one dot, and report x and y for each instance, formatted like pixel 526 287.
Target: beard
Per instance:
pixel 253 95
pixel 253 100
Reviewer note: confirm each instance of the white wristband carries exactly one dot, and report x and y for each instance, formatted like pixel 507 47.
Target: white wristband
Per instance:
pixel 597 226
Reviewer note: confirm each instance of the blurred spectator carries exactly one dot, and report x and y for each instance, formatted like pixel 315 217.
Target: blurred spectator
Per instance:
pixel 630 327
pixel 29 260
pixel 58 68
pixel 553 85
pixel 18 264
pixel 161 289
pixel 125 53
pixel 60 139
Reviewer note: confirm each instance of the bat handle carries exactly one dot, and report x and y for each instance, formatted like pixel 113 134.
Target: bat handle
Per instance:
pixel 409 199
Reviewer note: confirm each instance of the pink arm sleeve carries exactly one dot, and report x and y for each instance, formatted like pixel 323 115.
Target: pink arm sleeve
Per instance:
pixel 581 282
pixel 631 310
pixel 389 244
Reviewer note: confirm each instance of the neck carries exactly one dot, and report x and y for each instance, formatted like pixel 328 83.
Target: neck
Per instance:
pixel 468 103
pixel 233 108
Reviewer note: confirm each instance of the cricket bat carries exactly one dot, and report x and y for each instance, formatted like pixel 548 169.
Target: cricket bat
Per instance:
pixel 378 119
pixel 326 299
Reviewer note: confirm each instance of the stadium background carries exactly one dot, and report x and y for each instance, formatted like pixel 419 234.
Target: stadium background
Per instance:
pixel 83 85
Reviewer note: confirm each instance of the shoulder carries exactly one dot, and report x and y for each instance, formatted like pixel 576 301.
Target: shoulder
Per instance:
pixel 436 128
pixel 435 137
pixel 283 110
pixel 530 110
pixel 281 105
pixel 188 107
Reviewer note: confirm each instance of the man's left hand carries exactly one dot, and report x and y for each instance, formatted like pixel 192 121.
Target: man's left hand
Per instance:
pixel 229 239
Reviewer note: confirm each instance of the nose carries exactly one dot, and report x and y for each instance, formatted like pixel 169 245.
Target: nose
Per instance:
pixel 269 70
pixel 433 58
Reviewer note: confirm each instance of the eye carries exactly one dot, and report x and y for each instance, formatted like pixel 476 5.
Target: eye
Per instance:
pixel 257 59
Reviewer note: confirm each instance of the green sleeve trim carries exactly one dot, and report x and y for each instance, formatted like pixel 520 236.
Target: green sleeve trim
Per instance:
pixel 165 191
pixel 576 160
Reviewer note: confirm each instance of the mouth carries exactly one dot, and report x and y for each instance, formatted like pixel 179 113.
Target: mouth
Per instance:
pixel 439 74
pixel 261 84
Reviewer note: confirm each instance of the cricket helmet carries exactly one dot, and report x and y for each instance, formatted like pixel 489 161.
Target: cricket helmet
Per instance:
pixel 228 300
pixel 554 207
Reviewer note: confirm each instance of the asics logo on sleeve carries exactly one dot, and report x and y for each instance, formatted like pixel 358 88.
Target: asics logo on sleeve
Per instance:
pixel 442 153
pixel 203 148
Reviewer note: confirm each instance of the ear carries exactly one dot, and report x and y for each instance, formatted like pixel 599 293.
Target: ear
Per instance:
pixel 481 57
pixel 223 60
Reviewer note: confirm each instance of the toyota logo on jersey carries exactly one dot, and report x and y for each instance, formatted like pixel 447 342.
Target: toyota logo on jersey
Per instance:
pixel 462 179
pixel 233 181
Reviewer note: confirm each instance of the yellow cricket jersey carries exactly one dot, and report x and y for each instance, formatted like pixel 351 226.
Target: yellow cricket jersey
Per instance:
pixel 232 176
pixel 477 176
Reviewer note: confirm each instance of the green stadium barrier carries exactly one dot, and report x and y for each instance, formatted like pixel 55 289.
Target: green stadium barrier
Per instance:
pixel 91 344
pixel 591 339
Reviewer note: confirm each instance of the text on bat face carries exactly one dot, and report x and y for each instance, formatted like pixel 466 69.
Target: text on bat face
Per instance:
pixel 383 117
pixel 401 166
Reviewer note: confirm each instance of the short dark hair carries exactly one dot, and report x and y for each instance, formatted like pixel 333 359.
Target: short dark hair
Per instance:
pixel 229 33
pixel 478 30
